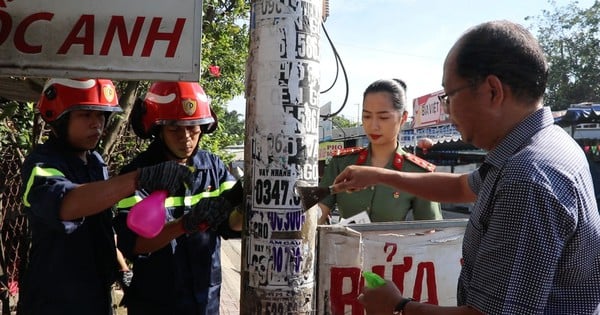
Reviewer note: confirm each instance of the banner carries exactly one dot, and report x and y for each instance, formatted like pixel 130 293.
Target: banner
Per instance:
pixel 423 258
pixel 129 40
pixel 427 111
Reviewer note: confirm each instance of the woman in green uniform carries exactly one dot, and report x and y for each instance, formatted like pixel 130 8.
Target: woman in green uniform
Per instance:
pixel 384 112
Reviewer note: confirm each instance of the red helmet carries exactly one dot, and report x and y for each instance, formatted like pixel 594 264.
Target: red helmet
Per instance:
pixel 174 103
pixel 61 96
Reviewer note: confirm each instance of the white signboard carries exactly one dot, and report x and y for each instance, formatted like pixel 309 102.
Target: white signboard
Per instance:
pixel 427 111
pixel 130 40
pixel 423 258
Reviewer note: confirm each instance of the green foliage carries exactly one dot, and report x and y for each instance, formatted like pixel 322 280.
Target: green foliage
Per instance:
pixel 225 40
pixel 342 122
pixel 230 131
pixel 16 125
pixel 570 37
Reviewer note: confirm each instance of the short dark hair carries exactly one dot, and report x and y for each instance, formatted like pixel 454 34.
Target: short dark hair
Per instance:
pixel 396 88
pixel 508 51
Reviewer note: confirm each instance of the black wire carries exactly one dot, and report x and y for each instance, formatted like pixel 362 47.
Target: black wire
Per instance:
pixel 337 73
pixel 341 64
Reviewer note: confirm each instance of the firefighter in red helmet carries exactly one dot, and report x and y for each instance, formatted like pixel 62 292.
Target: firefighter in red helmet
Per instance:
pixel 179 270
pixel 174 105
pixel 68 199
pixel 62 96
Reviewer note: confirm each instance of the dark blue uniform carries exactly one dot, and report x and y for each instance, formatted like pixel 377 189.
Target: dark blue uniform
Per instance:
pixel 72 263
pixel 184 277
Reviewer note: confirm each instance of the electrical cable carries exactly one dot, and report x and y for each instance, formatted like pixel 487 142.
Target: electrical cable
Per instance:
pixel 339 64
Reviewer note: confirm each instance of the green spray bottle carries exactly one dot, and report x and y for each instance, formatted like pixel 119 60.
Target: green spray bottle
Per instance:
pixel 372 279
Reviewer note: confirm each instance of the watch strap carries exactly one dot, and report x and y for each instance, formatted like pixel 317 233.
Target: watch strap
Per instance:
pixel 400 306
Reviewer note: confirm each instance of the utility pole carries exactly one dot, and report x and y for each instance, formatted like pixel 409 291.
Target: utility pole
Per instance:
pixel 281 147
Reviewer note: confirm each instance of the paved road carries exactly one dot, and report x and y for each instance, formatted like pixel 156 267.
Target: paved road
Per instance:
pixel 231 257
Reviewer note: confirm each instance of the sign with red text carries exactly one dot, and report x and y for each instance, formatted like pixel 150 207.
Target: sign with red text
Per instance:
pixel 427 111
pixel 129 40
pixel 327 149
pixel 423 259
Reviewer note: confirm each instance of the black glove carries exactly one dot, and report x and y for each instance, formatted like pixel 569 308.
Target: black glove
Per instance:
pixel 208 212
pixel 125 278
pixel 165 176
pixel 235 196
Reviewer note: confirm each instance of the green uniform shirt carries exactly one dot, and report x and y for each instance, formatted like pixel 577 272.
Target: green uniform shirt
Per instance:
pixel 383 203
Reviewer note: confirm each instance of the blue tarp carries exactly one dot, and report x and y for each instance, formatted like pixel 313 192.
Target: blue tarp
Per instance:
pixel 579 114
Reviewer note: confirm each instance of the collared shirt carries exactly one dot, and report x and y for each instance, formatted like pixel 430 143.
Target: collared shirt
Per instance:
pixel 183 277
pixel 382 203
pixel 532 245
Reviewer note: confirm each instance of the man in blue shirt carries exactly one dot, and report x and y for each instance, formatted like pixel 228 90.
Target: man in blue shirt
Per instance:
pixel 532 245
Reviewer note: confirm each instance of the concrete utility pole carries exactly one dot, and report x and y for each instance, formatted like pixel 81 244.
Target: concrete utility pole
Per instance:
pixel 282 123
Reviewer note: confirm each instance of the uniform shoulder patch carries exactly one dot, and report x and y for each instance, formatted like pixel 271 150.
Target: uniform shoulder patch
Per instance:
pixel 348 151
pixel 420 162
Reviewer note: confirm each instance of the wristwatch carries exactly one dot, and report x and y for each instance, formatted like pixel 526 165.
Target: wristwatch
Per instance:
pixel 400 307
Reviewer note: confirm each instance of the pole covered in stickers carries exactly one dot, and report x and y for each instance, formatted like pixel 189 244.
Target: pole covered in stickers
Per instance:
pixel 282 146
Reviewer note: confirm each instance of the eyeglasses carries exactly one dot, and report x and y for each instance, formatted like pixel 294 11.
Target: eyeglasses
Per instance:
pixel 445 98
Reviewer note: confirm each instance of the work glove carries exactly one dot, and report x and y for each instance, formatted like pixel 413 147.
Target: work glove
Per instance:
pixel 170 176
pixel 124 279
pixel 235 196
pixel 208 213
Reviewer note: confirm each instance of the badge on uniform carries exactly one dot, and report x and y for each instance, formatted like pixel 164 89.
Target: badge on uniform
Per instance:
pixel 396 194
